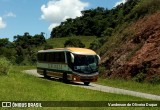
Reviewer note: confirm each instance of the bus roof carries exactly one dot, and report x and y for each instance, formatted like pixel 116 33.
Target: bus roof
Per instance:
pixel 75 50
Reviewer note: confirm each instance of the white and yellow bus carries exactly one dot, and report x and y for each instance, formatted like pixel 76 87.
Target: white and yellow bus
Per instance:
pixel 75 64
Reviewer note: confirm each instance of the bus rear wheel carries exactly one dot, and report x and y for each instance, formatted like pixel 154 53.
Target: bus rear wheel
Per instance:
pixel 65 77
pixel 45 75
pixel 86 83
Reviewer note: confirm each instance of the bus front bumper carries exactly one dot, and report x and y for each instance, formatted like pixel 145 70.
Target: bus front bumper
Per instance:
pixel 85 78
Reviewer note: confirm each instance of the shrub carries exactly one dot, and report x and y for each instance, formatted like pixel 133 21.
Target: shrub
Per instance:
pixel 95 45
pixel 74 43
pixel 4 66
pixel 155 79
pixel 143 8
pixel 139 77
pixel 48 46
pixel 107 32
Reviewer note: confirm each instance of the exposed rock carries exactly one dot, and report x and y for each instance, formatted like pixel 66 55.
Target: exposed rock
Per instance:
pixel 143 49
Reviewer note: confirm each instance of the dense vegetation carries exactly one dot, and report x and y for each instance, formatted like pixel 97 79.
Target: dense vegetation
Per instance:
pixel 23 49
pixel 98 22
pixel 102 22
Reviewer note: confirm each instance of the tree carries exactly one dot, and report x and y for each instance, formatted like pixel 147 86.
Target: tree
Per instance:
pixel 27 40
pixel 95 45
pixel 24 45
pixel 4 42
pixel 20 55
pixel 38 39
pixel 107 32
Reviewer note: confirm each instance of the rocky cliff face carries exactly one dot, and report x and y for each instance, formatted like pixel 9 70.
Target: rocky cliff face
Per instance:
pixel 139 55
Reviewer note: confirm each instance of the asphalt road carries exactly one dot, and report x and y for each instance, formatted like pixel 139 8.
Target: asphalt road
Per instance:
pixel 105 88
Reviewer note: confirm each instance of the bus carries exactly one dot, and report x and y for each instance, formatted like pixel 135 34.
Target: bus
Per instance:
pixel 69 64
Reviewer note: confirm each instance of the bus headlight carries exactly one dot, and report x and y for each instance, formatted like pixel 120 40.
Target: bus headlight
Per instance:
pixel 74 79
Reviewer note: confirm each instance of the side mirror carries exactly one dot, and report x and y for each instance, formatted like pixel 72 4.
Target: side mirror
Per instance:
pixel 99 59
pixel 72 58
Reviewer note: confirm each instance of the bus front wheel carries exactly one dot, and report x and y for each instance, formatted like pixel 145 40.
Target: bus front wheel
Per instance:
pixel 86 83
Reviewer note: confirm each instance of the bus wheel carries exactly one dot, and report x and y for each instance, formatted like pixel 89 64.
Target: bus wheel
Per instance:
pixel 45 75
pixel 86 83
pixel 65 77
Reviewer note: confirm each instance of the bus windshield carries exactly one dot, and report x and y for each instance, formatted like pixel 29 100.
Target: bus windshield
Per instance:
pixel 85 63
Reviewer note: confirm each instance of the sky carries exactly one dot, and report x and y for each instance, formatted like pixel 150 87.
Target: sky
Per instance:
pixel 36 16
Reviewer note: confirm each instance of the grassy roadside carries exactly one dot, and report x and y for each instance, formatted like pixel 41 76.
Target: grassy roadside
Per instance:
pixel 21 68
pixel 131 85
pixel 18 86
pixel 22 86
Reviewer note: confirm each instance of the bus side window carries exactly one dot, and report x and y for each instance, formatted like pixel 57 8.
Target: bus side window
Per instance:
pixel 52 56
pixel 44 57
pixel 62 57
pixel 47 57
pixel 59 57
pixel 56 57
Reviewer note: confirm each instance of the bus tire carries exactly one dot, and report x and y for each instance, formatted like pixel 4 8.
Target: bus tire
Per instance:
pixel 65 77
pixel 86 83
pixel 45 75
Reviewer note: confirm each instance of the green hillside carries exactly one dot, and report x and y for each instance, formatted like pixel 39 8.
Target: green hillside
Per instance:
pixel 131 52
pixel 59 42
